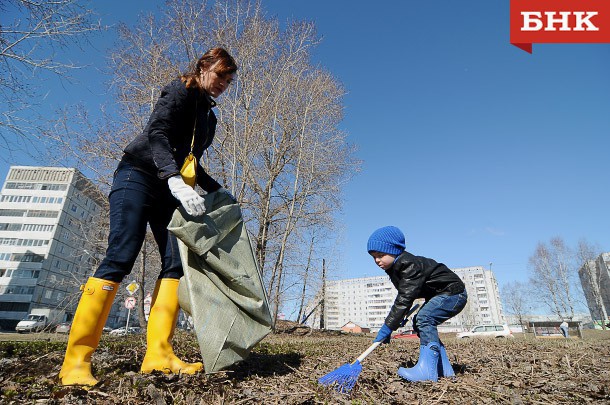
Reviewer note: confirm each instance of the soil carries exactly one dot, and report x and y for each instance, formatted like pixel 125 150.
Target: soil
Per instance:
pixel 284 369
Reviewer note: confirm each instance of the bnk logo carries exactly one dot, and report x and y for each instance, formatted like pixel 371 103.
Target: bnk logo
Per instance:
pixel 552 21
pixel 558 21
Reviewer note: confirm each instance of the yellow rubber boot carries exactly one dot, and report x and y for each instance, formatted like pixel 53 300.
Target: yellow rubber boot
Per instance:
pixel 89 319
pixel 161 325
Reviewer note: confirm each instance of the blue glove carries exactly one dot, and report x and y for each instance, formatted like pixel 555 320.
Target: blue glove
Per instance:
pixel 384 334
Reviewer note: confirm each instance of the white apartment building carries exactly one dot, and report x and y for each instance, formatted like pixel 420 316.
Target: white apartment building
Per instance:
pixel 45 213
pixel 484 304
pixel 367 301
pixel 364 301
pixel 595 280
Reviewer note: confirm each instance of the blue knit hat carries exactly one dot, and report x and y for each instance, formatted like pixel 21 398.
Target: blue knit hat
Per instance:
pixel 388 239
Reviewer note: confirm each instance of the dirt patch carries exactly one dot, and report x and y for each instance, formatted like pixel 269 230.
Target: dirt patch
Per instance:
pixel 284 368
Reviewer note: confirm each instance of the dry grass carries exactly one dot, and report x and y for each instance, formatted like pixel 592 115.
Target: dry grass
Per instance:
pixel 284 369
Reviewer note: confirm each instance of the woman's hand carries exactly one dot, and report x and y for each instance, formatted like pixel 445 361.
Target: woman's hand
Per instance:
pixel 192 202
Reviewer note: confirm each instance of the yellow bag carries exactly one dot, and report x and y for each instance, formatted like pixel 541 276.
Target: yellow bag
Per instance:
pixel 189 170
pixel 189 167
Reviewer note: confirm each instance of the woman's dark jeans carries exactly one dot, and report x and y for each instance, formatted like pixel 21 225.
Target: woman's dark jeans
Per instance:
pixel 436 311
pixel 137 199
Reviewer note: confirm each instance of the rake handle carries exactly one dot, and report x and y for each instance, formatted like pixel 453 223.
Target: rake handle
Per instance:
pixel 367 352
pixel 375 344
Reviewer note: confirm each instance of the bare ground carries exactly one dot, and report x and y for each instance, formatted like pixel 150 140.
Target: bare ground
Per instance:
pixel 284 369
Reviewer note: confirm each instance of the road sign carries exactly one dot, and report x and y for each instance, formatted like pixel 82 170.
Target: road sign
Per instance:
pixel 132 288
pixel 147 302
pixel 130 302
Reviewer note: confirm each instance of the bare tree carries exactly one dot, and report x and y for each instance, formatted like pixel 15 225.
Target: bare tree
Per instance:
pixel 590 274
pixel 553 272
pixel 280 150
pixel 33 36
pixel 305 279
pixel 278 145
pixel 516 297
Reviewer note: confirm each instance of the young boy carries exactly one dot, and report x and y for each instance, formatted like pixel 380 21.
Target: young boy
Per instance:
pixel 418 277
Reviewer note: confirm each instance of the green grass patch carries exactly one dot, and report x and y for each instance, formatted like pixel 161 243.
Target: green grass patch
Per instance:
pixel 33 348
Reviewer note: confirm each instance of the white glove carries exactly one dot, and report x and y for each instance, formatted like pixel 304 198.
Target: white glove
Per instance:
pixel 192 202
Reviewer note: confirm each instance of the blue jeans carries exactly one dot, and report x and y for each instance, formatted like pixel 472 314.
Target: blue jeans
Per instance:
pixel 436 311
pixel 136 199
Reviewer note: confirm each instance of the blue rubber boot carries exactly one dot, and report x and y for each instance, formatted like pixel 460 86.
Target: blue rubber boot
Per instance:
pixel 444 365
pixel 426 368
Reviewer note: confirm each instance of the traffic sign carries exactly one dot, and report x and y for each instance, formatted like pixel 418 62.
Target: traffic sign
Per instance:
pixel 130 302
pixel 133 287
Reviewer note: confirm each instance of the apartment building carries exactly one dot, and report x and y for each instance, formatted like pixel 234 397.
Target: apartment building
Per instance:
pixel 595 280
pixel 484 304
pixel 367 301
pixel 46 214
pixel 364 301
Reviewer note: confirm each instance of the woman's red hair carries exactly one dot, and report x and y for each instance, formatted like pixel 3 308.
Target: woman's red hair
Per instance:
pixel 219 58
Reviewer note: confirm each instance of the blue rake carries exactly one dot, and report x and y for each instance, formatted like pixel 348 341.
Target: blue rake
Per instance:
pixel 345 377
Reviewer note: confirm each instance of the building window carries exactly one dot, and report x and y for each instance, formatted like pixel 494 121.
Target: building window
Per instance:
pixel 12 213
pixel 26 273
pixel 9 289
pixel 27 257
pixel 37 228
pixel 54 187
pixel 42 214
pixel 13 227
pixel 20 186
pixel 16 198
pixel 32 242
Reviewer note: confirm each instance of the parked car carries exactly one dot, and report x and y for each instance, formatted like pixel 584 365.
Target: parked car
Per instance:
pixel 494 331
pixel 63 327
pixel 407 334
pixel 121 331
pixel 40 319
pixel 107 329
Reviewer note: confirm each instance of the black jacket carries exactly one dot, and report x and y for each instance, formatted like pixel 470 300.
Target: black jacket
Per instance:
pixel 166 140
pixel 418 277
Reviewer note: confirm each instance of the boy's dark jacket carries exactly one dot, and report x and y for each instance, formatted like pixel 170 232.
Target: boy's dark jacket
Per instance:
pixel 166 139
pixel 418 277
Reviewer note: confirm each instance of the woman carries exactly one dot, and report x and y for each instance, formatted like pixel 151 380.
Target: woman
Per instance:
pixel 146 189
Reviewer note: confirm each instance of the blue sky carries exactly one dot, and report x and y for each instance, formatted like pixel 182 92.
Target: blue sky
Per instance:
pixel 476 149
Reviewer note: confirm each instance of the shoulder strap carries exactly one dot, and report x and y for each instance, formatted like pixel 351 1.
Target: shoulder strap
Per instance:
pixel 194 127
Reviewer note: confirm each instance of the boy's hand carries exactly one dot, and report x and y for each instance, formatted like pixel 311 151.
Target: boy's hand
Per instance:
pixel 384 334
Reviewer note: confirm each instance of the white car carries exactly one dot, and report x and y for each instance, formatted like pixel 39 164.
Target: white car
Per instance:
pixel 121 331
pixel 494 331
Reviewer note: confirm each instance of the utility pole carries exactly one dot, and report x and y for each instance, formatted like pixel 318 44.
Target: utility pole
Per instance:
pixel 322 306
